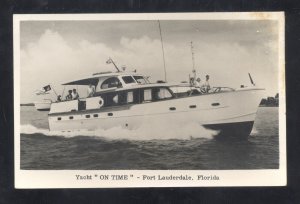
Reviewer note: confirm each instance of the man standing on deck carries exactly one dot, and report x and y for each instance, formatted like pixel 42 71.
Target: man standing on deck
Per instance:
pixel 75 95
pixel 206 86
pixel 69 96
pixel 197 83
pixel 91 90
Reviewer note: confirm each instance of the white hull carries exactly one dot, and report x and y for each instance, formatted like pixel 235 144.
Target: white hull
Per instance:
pixel 218 111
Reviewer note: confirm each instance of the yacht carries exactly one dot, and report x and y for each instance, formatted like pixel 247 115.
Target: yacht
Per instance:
pixel 129 100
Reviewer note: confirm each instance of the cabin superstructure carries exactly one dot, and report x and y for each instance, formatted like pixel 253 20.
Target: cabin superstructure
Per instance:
pixel 113 89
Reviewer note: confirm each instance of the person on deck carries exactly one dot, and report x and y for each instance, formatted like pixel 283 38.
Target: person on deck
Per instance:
pixel 206 86
pixel 59 98
pixel 91 90
pixel 75 95
pixel 69 96
pixel 197 83
pixel 192 81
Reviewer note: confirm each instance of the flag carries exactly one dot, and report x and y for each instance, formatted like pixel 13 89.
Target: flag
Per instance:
pixel 47 88
pixel 43 90
pixel 109 61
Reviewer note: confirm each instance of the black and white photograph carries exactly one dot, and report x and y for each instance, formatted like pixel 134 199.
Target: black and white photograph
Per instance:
pixel 149 100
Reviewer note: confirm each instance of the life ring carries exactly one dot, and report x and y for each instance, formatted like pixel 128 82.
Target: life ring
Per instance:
pixel 101 102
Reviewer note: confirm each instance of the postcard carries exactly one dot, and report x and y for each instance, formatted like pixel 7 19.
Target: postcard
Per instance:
pixel 149 100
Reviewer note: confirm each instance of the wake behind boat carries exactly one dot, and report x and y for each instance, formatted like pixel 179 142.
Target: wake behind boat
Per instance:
pixel 129 100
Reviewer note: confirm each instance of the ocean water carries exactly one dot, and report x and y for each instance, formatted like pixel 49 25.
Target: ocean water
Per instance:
pixel 179 147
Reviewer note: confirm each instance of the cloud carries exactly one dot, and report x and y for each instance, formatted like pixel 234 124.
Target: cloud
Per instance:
pixel 53 59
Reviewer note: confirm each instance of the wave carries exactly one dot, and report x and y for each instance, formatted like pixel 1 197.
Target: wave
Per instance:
pixel 157 130
pixel 254 131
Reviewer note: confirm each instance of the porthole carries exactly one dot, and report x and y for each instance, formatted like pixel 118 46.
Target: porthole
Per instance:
pixel 71 117
pixel 110 114
pixel 193 106
pixel 59 118
pixel 95 115
pixel 87 116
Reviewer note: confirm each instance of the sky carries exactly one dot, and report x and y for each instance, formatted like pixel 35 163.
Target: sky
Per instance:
pixel 54 52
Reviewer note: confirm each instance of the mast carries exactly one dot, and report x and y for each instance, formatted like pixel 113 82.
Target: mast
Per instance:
pixel 193 60
pixel 162 47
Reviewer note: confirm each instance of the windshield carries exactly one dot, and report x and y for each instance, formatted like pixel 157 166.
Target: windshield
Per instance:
pixel 111 82
pixel 140 79
pixel 128 79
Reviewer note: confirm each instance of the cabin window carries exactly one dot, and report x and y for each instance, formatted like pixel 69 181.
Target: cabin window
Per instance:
pixel 128 79
pixel 122 97
pixel 87 116
pixel 59 118
pixel 115 99
pixel 140 79
pixel 71 117
pixel 95 115
pixel 147 95
pixel 162 93
pixel 156 94
pixel 130 97
pixel 111 82
pixel 110 99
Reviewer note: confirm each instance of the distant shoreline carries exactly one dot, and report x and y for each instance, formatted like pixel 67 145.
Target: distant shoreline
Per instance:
pixel 269 106
pixel 270 101
pixel 27 104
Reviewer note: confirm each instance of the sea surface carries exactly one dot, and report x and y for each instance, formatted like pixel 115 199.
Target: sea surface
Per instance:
pixel 155 147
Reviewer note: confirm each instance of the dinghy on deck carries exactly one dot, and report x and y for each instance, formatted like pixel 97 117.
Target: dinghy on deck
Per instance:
pixel 43 105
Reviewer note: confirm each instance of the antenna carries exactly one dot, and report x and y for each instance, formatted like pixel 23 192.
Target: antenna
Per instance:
pixel 111 61
pixel 162 47
pixel 251 80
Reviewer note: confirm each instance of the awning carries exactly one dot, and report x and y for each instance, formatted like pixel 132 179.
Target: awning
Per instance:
pixel 86 81
pixel 94 79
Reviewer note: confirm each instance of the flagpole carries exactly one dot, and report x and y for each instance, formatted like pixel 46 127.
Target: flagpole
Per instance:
pixel 62 95
pixel 192 51
pixel 54 90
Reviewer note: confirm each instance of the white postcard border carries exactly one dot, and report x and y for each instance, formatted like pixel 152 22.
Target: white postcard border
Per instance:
pixel 67 178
